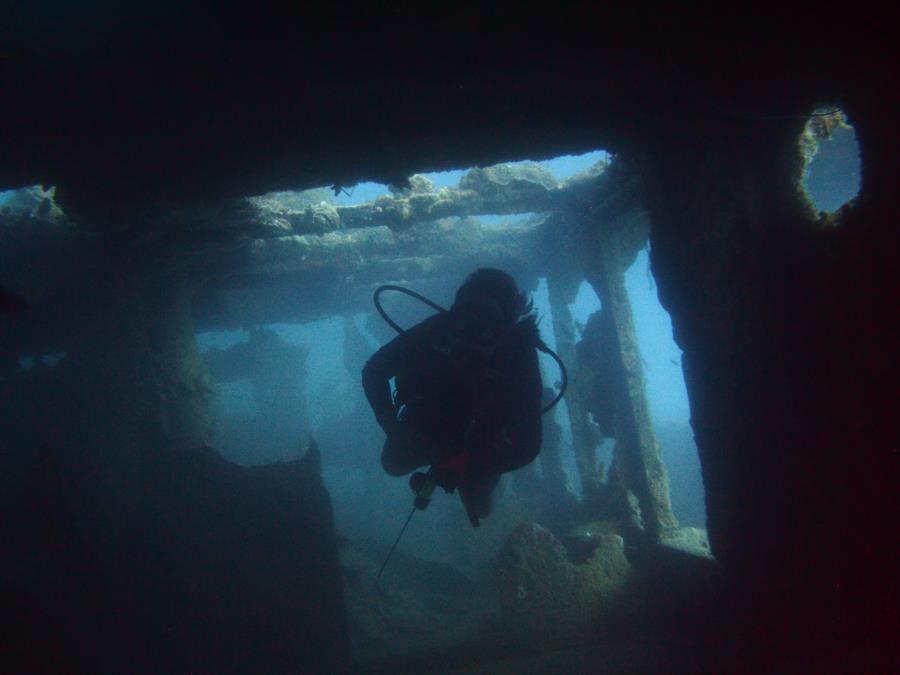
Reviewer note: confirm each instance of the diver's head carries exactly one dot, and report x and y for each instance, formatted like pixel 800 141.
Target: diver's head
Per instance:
pixel 487 305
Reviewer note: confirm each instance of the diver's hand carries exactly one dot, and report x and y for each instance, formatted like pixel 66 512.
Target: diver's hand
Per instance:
pixel 401 433
pixel 392 427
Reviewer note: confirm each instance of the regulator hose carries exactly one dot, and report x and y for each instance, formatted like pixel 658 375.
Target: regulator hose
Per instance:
pixel 418 296
pixel 400 289
pixel 563 374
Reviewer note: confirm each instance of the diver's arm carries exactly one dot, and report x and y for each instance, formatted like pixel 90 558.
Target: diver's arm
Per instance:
pixel 387 362
pixel 377 374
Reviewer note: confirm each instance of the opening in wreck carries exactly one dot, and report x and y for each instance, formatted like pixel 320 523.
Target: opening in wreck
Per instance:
pixel 585 484
pixel 831 173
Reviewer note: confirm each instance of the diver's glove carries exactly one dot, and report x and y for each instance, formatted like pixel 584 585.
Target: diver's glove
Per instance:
pixel 449 471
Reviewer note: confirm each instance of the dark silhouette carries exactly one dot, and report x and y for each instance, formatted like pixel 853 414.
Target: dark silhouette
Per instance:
pixel 10 302
pixel 467 398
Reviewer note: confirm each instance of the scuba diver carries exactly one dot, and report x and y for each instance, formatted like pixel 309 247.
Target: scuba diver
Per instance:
pixel 468 392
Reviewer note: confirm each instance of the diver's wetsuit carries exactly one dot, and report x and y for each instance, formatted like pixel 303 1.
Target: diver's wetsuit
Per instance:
pixel 487 407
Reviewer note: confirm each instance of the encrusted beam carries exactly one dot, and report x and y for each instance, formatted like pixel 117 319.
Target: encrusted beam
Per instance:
pixel 645 472
pixel 562 293
pixel 497 190
pixel 303 277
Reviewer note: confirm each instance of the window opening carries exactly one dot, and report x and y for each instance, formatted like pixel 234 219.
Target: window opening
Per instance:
pixel 831 177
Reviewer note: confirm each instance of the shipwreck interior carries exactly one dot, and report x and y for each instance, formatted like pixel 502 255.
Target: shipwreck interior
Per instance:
pixel 181 254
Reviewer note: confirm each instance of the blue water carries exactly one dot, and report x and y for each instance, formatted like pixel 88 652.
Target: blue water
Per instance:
pixel 833 176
